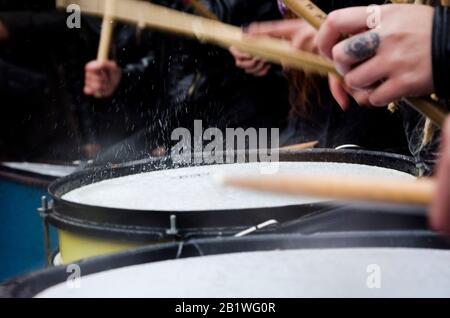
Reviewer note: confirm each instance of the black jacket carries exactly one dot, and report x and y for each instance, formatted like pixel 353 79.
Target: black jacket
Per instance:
pixel 187 80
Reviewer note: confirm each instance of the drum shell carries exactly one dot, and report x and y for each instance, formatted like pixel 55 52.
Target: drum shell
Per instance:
pixel 22 233
pixel 86 231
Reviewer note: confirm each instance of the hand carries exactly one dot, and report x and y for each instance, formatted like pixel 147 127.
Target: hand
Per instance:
pixel 91 150
pixel 102 78
pixel 304 37
pixel 388 62
pixel 297 31
pixel 3 32
pixel 250 64
pixel 440 210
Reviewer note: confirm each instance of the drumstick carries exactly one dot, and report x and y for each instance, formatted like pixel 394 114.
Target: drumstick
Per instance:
pixel 315 16
pixel 308 11
pixel 305 145
pixel 105 35
pixel 106 32
pixel 207 30
pixel 201 9
pixel 339 187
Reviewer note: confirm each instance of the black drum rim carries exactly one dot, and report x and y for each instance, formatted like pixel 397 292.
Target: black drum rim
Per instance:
pixel 30 285
pixel 141 225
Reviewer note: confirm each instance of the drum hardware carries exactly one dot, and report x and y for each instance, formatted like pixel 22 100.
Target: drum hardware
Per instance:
pixel 172 231
pixel 43 211
pixel 83 163
pixel 349 146
pixel 256 228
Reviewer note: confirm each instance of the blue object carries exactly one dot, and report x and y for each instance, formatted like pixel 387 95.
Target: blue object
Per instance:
pixel 21 229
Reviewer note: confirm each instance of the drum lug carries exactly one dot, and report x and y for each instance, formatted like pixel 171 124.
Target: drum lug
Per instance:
pixel 43 211
pixel 172 231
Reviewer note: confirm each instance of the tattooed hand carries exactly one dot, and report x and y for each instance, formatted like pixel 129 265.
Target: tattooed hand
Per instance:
pixel 383 64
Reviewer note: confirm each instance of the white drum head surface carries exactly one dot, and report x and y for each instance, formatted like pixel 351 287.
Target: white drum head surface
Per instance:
pixel 294 273
pixel 196 188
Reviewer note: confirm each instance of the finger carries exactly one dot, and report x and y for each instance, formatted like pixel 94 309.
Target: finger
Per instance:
pixel 264 71
pixel 338 92
pixel 361 96
pixel 282 28
pixel 96 81
pixel 354 50
pixel 250 64
pixel 95 87
pixel 304 41
pixel 339 22
pixel 94 66
pixel 389 91
pixel 88 90
pixel 94 76
pixel 239 55
pixel 92 88
pixel 366 74
pixel 99 67
pixel 257 68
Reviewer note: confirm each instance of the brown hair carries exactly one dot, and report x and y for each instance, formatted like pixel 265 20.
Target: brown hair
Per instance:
pixel 304 92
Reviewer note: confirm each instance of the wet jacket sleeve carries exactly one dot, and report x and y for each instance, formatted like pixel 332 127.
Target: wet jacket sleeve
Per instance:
pixel 28 23
pixel 441 51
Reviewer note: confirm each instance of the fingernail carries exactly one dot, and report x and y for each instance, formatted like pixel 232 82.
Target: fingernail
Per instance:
pixel 340 69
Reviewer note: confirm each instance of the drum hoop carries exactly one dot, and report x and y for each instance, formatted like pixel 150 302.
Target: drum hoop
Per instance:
pixel 32 284
pixel 148 225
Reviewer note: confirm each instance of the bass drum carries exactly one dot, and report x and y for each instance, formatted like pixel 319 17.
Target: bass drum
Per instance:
pixel 352 264
pixel 103 210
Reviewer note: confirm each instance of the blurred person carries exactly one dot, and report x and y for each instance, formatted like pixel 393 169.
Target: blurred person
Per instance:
pixel 314 113
pixel 29 90
pixel 188 80
pixel 409 59
pixel 94 123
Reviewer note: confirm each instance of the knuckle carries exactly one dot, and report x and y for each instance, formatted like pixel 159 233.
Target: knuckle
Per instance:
pixel 332 20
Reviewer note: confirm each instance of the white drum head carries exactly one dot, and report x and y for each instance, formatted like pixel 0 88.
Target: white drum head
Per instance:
pixel 196 188
pixel 293 273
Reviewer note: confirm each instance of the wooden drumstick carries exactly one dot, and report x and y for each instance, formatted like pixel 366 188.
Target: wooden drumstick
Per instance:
pixel 105 35
pixel 106 32
pixel 301 146
pixel 207 30
pixel 315 16
pixel 308 11
pixel 341 187
pixel 202 9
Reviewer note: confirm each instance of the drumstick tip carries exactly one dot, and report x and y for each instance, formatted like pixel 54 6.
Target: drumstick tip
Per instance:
pixel 220 179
